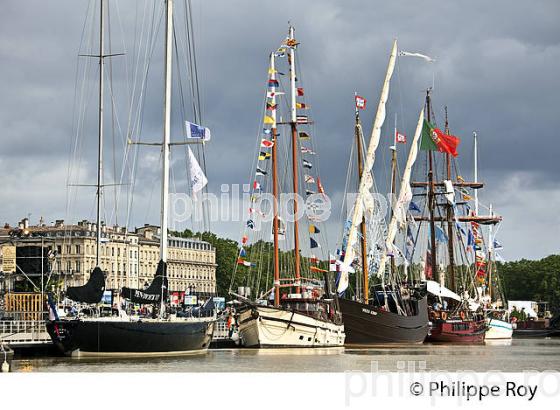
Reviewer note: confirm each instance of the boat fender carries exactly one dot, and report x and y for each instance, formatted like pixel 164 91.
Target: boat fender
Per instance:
pixel 443 315
pixel 462 315
pixel 254 314
pixel 5 367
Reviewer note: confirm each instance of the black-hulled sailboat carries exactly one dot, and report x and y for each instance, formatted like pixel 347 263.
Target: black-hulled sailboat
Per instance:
pixel 163 333
pixel 396 311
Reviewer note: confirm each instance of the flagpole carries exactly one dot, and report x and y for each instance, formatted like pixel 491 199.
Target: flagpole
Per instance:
pixel 294 157
pixel 431 199
pixel 275 190
pixel 475 171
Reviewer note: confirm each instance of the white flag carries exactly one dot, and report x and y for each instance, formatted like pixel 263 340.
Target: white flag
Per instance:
pixel 198 179
pixel 425 57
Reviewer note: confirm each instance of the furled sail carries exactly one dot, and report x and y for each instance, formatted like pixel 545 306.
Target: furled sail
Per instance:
pixel 153 294
pixel 366 179
pixel 92 291
pixel 405 195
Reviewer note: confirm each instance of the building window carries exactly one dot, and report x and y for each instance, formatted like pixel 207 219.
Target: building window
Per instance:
pixel 77 250
pixel 68 249
pixel 69 266
pixel 78 266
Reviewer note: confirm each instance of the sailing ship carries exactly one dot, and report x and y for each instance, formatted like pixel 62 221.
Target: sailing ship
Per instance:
pixel 455 307
pixel 396 312
pixel 163 333
pixel 299 309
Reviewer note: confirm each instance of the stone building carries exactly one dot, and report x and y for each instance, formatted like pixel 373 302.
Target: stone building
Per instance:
pixel 127 258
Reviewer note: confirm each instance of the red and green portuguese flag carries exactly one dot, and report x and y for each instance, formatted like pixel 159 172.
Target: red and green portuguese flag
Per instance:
pixel 434 139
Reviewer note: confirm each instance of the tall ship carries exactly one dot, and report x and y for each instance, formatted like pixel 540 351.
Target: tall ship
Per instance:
pixel 392 307
pixel 452 260
pixel 284 285
pixel 164 332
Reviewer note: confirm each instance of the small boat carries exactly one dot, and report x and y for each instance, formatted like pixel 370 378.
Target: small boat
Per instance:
pixel 498 328
pixel 458 331
pixel 299 309
pixel 6 357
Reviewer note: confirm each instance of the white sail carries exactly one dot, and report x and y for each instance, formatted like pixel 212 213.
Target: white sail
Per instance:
pixel 405 195
pixel 198 179
pixel 366 179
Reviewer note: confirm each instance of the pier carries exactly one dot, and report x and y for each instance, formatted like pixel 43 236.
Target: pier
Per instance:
pixel 24 333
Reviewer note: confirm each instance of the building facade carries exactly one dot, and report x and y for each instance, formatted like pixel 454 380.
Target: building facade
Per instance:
pixel 128 258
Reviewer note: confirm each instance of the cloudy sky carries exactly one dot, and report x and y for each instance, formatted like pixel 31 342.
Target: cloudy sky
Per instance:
pixel 496 70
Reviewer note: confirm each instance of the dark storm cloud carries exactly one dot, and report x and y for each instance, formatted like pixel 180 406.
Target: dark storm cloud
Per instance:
pixel 496 70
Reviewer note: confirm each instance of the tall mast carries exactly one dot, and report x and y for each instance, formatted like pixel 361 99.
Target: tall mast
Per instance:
pixel 450 219
pixel 394 183
pixel 293 124
pixel 275 191
pixel 475 171
pixel 431 198
pixel 365 268
pixel 490 256
pixel 100 133
pixel 166 131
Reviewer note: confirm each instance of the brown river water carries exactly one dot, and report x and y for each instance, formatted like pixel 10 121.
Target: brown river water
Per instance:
pixel 516 355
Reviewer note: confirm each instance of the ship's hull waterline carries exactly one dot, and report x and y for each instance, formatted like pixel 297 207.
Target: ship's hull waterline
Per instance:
pixel 366 325
pixel 128 338
pixel 263 326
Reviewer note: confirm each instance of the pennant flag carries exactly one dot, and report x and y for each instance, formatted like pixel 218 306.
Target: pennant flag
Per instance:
pixel 360 103
pixel 314 259
pixel 267 131
pixel 270 94
pixel 271 107
pixel 242 252
pixel 305 150
pixel 304 135
pixel 256 185
pixel 272 71
pixel 198 179
pixel 260 172
pixel 273 83
pixel 313 229
pixel 413 207
pixel 470 241
pixel 316 269
pixel 291 42
pixel 264 155
pixel 309 192
pixel 307 164
pixel 302 119
pixel 197 132
pixel 240 261
pixel 467 197
pixel 253 198
pixel 300 91
pixel 251 224
pixel 281 52
pixel 460 228
pixel 244 239
pixel 497 245
pixel 332 263
pixel 313 243
pixel 320 188
pixel 266 143
pixel 400 137
pixel 433 139
pixel 440 235
pixel 302 106
pixel 268 120
pixel 309 179
pixel 423 56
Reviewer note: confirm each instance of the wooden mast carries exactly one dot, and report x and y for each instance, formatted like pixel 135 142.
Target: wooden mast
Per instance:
pixel 394 186
pixel 365 268
pixel 293 125
pixel 275 193
pixel 450 220
pixel 431 199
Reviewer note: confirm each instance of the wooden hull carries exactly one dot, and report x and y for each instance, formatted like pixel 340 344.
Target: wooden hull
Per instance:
pixel 457 331
pixel 266 326
pixel 367 325
pixel 83 337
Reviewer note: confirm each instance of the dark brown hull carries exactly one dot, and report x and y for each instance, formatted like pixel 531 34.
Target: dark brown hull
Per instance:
pixel 457 331
pixel 368 325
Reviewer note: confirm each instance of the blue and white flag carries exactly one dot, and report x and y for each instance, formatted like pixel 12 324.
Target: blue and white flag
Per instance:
pixel 196 132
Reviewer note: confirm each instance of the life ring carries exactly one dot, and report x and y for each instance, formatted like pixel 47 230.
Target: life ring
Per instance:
pixel 443 315
pixel 462 315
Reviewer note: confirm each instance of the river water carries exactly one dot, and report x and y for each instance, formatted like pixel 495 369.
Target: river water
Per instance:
pixel 511 356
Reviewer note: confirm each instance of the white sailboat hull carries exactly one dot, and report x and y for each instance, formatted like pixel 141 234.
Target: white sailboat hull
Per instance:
pixel 498 329
pixel 265 326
